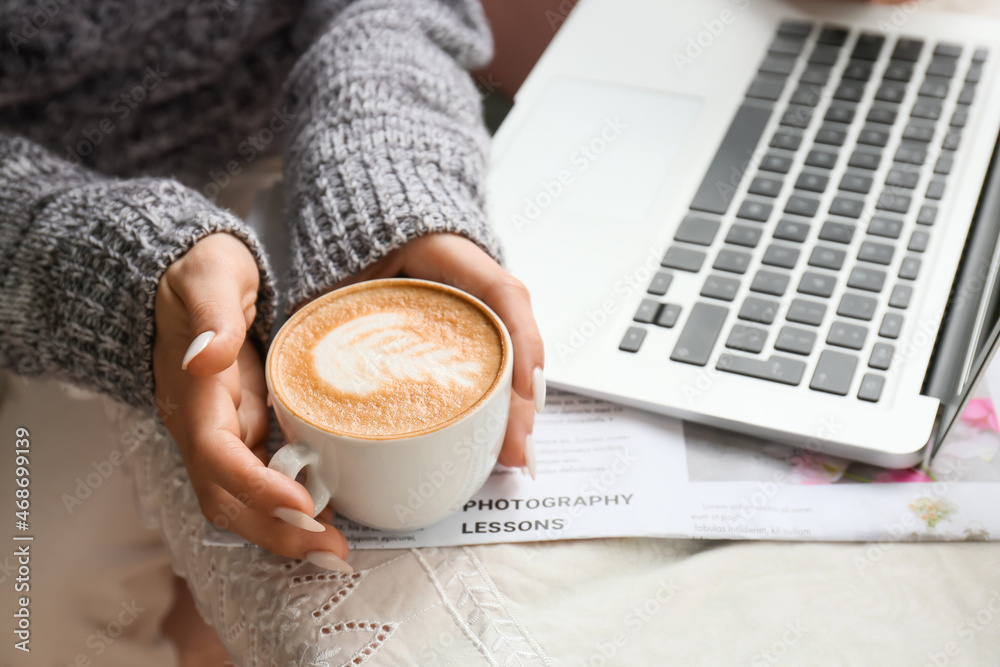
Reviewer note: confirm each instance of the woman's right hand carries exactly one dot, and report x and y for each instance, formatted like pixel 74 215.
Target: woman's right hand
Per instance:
pixel 213 399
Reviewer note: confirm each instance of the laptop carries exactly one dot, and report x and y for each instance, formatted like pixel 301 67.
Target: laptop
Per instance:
pixel 773 217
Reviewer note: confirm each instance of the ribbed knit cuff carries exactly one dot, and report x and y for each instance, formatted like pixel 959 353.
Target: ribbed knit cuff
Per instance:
pixel 80 269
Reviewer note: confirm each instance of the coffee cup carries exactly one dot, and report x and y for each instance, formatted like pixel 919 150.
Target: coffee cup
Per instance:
pixel 393 396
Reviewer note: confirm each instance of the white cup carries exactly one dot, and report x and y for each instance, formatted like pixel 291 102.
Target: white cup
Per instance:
pixel 401 483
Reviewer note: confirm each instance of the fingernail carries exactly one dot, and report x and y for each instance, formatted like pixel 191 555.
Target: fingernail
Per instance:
pixel 329 561
pixel 298 519
pixel 197 346
pixel 538 388
pixel 529 457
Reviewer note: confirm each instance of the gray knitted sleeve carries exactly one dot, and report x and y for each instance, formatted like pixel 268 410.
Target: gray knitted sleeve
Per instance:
pixel 388 142
pixel 80 260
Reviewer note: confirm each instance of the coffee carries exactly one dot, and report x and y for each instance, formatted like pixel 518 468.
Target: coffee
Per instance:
pixel 388 359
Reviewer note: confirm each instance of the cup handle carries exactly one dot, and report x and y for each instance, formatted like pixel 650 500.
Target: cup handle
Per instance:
pixel 291 459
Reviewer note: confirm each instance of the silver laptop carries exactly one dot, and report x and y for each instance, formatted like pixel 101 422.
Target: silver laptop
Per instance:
pixel 772 217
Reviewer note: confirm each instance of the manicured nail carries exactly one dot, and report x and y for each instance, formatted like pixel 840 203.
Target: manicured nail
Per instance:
pixel 197 346
pixel 538 389
pixel 329 561
pixel 298 519
pixel 531 465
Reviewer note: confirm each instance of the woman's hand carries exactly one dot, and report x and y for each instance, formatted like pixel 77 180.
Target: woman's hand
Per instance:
pixel 210 386
pixel 457 261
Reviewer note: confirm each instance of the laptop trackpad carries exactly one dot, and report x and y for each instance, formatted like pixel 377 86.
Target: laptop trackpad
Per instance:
pixel 594 148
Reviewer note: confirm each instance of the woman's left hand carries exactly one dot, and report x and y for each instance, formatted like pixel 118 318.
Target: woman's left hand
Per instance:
pixel 455 260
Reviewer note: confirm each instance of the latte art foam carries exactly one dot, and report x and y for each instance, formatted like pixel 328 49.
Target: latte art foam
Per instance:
pixel 392 360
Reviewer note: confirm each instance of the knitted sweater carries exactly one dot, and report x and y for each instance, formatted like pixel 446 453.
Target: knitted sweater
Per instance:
pixel 119 120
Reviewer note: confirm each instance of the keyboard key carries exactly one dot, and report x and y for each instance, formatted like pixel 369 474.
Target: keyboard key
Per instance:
pixel 697 338
pixel 826 257
pixel 947 49
pixel 856 183
pixel 927 108
pixel 804 206
pixel 732 261
pixel 696 229
pixel 797 117
pixel 647 311
pixel 807 95
pixel 831 134
pixel 817 284
pixel 960 117
pixel 891 91
pixel 847 207
pixel 660 283
pixel 797 341
pixel 895 203
pixel 968 94
pixel 822 159
pixel 900 297
pixel 885 227
pixel 892 324
pixel 911 154
pixel 769 282
pixel 777 64
pixel 775 369
pixel 902 178
pixel 668 316
pixel 766 87
pixel 864 160
pixel 868 46
pixel 942 66
pixel 847 335
pixel 836 232
pixel 857 306
pixel 871 387
pixel 786 140
pixel 877 253
pixel 794 28
pixel 927 215
pixel 834 372
pixel 754 210
pixel 776 163
pixel 840 114
pixel 747 339
pixel 788 230
pixel 781 256
pixel 744 236
pixel 951 140
pixel 824 54
pixel 921 133
pixel 740 141
pixel 910 268
pixel 908 50
pixel 870 280
pixel 898 71
pixel 935 87
pixel 873 137
pixel 765 187
pixel 683 259
pixel 944 165
pixel 718 287
pixel 804 311
pixel 832 35
pixel 632 340
pixel 974 74
pixel 816 75
pixel 881 115
pixel 881 356
pixel 935 190
pixel 758 310
pixel 786 45
pixel 980 55
pixel 918 241
pixel 858 71
pixel 849 91
pixel 811 182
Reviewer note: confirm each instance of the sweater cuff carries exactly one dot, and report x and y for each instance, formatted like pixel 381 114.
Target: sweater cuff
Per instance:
pixel 81 288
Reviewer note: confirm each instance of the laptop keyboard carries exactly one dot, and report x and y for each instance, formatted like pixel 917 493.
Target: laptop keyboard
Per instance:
pixel 844 201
